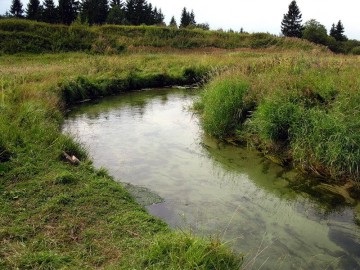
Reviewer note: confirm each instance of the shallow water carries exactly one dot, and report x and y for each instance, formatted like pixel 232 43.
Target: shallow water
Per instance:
pixel 152 139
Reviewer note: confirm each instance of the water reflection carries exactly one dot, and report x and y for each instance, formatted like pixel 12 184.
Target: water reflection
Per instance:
pixel 151 139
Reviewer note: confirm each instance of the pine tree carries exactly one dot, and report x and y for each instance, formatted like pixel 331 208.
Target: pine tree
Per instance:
pixel 158 17
pixel 184 19
pixel 291 23
pixel 49 13
pixel 116 3
pixel 67 11
pixel 34 10
pixel 333 31
pixel 340 32
pixel 173 22
pixel 187 18
pixel 140 12
pixel 116 13
pixel 94 11
pixel 192 18
pixel 130 13
pixel 16 9
pixel 337 32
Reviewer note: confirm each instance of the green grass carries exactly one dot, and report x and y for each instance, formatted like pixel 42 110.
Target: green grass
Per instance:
pixel 225 106
pixel 186 252
pixel 19 36
pixel 55 215
pixel 304 110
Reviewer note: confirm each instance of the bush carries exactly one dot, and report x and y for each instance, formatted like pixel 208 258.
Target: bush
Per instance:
pixel 356 50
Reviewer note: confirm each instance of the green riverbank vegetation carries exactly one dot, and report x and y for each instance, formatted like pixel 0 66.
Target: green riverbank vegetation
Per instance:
pixel 303 110
pixel 292 99
pixel 57 215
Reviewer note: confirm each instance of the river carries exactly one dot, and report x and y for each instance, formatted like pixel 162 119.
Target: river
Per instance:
pixel 151 139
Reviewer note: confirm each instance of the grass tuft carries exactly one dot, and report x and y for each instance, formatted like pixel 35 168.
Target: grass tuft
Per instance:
pixel 224 105
pixel 183 251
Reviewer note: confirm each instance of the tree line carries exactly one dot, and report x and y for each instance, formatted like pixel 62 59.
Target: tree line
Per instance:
pixel 134 12
pixel 129 12
pixel 312 30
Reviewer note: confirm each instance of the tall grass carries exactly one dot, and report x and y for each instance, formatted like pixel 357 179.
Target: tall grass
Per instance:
pixel 182 251
pixel 304 110
pixel 225 106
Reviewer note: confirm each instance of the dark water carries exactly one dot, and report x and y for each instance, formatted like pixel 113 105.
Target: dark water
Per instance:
pixel 153 140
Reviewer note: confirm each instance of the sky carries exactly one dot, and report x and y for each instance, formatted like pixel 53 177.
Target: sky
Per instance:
pixel 256 15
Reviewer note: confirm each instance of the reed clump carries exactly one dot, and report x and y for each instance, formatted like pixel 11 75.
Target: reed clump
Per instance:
pixel 303 110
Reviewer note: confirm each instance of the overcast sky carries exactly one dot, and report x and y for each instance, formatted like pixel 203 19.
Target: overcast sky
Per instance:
pixel 256 15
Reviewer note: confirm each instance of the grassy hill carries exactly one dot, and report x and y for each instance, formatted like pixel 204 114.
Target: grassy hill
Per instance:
pixel 18 36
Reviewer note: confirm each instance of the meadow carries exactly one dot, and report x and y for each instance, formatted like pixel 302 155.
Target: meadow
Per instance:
pixel 296 102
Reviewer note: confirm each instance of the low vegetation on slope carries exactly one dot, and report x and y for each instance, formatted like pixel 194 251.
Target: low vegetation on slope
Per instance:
pixel 18 36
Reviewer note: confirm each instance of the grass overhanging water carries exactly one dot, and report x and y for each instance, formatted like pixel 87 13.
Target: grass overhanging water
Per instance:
pixel 300 105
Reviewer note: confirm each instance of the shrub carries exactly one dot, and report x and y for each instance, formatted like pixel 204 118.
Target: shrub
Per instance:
pixel 356 50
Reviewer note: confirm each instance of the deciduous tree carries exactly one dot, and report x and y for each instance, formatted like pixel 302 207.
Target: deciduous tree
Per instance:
pixel 315 32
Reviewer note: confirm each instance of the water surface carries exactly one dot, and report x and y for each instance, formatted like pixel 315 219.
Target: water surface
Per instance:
pixel 152 139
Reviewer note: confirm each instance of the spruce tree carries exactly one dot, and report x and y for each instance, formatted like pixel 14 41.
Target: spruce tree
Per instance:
pixel 67 11
pixel 158 17
pixel 340 32
pixel 16 9
pixel 116 13
pixel 291 23
pixel 337 32
pixel 94 11
pixel 192 18
pixel 49 13
pixel 333 31
pixel 130 13
pixel 173 22
pixel 116 3
pixel 34 10
pixel 185 18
